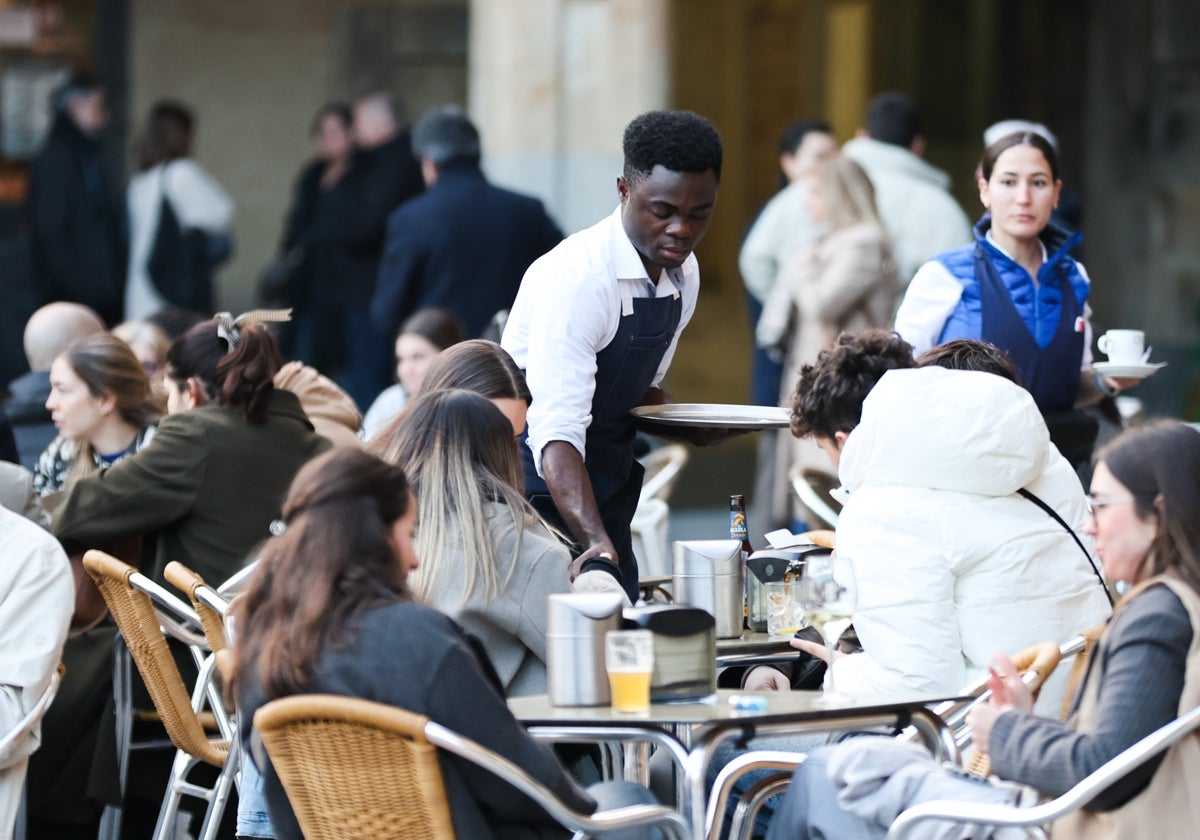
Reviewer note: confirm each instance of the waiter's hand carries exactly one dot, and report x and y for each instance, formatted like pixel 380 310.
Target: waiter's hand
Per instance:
pixel 602 550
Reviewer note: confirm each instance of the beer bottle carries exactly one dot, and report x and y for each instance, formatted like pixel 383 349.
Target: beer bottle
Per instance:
pixel 739 531
pixel 737 523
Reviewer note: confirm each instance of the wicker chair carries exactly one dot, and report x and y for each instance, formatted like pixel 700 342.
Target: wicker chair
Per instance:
pixel 209 605
pixel 131 598
pixel 354 768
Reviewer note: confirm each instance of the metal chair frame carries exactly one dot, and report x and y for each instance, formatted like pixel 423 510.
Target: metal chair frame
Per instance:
pixel 809 498
pixel 1040 815
pixel 176 619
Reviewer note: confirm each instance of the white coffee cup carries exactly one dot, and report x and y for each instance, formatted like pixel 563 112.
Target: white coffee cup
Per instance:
pixel 1123 347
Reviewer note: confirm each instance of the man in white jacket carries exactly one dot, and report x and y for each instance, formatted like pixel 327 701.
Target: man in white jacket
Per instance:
pixel 921 216
pixel 37 596
pixel 952 563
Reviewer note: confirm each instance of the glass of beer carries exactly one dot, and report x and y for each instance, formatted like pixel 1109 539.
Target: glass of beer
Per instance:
pixel 629 658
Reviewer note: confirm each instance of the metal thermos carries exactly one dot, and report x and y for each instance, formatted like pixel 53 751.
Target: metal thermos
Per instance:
pixel 575 629
pixel 708 574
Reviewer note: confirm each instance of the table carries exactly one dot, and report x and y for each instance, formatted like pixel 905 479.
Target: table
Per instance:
pixel 754 648
pixel 691 731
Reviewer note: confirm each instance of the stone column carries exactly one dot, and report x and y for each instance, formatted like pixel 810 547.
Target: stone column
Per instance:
pixel 552 85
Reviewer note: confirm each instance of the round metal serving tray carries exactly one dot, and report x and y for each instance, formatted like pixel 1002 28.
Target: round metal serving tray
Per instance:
pixel 713 416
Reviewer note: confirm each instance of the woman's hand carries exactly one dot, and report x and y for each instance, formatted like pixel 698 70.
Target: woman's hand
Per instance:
pixel 1008 692
pixel 816 649
pixel 766 678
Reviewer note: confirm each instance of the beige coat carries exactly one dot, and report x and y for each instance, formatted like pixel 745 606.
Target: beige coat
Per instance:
pixel 1168 807
pixel 844 282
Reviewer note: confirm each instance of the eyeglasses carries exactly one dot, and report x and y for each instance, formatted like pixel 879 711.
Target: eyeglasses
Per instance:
pixel 1095 505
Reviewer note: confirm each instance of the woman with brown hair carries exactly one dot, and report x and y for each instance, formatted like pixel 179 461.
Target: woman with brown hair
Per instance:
pixel 421 339
pixel 327 611
pixel 104 409
pixel 221 461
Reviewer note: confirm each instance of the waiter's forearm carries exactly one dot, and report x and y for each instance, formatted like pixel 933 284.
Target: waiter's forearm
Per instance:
pixel 571 489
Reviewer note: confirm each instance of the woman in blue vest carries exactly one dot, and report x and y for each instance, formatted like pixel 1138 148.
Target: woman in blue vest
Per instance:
pixel 1018 288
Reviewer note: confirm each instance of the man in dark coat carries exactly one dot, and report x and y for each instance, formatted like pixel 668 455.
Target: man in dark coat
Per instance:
pixel 465 244
pixel 382 175
pixel 75 218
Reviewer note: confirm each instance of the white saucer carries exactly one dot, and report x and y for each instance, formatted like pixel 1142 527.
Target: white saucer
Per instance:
pixel 1134 371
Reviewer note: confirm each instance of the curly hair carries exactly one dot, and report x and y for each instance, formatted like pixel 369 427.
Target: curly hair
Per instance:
pixel 680 141
pixel 829 396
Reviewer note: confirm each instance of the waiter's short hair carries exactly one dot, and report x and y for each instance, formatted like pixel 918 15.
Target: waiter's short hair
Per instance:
pixel 680 141
pixel 830 394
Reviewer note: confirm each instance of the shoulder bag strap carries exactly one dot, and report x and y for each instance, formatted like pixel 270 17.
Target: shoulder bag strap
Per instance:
pixel 1054 515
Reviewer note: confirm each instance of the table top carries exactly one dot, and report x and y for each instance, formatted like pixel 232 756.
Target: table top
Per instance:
pixel 782 706
pixel 754 641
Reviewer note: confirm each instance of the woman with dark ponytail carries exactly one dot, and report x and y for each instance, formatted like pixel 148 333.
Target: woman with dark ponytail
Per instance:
pixel 215 476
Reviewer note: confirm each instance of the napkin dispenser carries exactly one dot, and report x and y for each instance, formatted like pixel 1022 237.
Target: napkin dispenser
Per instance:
pixel 708 574
pixel 575 630
pixel 767 566
pixel 685 650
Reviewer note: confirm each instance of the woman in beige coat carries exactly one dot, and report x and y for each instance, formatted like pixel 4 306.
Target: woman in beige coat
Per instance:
pixel 845 281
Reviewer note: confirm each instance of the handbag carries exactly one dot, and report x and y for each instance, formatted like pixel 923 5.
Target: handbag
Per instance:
pixel 182 259
pixel 281 282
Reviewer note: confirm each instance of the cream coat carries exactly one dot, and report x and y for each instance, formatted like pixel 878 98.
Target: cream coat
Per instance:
pixel 951 564
pixel 845 282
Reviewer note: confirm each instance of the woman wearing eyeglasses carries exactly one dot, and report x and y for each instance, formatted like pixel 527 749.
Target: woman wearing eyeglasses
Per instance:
pixel 1145 672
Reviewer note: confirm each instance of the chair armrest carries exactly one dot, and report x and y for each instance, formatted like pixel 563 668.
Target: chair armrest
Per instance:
pixel 734 770
pixel 666 819
pixel 1077 797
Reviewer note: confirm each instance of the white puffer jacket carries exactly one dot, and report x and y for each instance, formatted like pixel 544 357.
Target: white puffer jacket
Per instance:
pixel 952 565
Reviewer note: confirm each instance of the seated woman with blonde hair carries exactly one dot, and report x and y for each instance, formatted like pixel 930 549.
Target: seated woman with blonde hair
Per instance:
pixel 488 560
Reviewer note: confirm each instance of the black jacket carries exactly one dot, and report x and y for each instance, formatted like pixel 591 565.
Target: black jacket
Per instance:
pixel 352 218
pixel 464 246
pixel 76 225
pixel 28 415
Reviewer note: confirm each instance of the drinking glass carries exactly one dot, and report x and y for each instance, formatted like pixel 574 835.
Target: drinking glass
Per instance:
pixel 828 592
pixel 785 611
pixel 629 659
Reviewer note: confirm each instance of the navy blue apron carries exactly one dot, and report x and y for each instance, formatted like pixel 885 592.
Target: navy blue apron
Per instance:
pixel 625 370
pixel 1050 373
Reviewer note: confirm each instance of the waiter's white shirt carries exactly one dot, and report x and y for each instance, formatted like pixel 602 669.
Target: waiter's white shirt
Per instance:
pixel 568 309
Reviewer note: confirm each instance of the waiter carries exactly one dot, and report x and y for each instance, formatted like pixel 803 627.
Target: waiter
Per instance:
pixel 595 325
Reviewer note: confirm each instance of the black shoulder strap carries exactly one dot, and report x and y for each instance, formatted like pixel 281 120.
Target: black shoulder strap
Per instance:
pixel 1054 515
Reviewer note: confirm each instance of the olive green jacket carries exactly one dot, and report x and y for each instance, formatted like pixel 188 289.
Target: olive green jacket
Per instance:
pixel 206 488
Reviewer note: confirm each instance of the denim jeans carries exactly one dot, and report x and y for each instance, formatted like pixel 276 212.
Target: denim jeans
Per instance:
pixel 252 818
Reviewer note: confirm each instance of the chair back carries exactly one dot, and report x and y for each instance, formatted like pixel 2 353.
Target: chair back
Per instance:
pixel 812 488
pixel 209 606
pixel 1036 664
pixel 663 466
pixel 138 622
pixel 352 768
pixel 30 720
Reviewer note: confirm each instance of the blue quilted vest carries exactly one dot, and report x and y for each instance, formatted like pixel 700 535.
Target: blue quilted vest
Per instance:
pixel 1038 305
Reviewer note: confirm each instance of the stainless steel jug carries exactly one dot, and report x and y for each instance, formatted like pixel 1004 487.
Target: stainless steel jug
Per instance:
pixel 575 673
pixel 708 574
